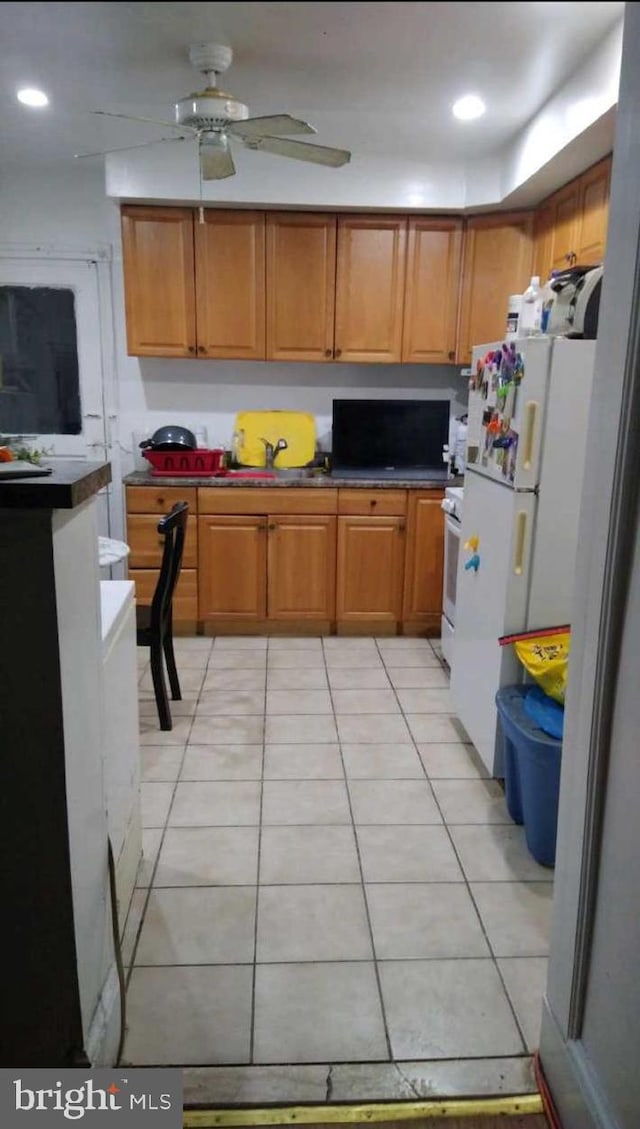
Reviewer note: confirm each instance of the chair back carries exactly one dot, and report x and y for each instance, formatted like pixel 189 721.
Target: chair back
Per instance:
pixel 173 528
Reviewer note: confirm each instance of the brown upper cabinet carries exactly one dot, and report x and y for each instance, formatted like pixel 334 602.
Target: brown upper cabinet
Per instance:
pixel 571 226
pixel 230 284
pixel 301 282
pixel 498 252
pixel 434 252
pixel 159 282
pixel 594 213
pixel 370 281
pixel 308 286
pixel 566 206
pixel 543 241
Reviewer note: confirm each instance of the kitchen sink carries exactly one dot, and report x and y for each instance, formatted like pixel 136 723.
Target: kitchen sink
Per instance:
pixel 275 474
pixel 295 472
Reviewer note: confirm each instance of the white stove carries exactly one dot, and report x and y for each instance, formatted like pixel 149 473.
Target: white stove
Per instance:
pixel 452 505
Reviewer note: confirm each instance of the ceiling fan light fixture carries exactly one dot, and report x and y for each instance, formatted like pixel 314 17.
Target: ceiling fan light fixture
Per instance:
pixel 210 109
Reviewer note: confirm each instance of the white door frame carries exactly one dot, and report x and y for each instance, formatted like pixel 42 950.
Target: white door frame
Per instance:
pixel 595 769
pixel 64 266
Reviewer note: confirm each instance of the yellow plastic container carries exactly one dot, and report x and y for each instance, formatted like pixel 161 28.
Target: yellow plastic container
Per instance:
pixel 298 428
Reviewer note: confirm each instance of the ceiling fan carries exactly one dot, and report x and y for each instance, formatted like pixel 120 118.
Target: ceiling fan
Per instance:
pixel 213 118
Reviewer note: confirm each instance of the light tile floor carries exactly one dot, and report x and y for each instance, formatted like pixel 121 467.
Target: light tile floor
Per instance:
pixel 328 876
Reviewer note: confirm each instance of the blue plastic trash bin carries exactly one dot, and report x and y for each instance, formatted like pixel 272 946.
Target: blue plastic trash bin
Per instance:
pixel 531 773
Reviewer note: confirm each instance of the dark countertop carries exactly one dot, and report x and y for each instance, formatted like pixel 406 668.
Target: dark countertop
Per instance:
pixel 328 481
pixel 70 484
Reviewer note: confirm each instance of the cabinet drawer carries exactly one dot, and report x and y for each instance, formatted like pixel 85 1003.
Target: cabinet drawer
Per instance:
pixel 159 499
pixel 185 598
pixel 262 500
pixel 145 543
pixel 379 503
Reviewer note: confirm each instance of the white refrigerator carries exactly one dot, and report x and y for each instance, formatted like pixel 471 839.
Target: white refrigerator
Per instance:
pixel 526 447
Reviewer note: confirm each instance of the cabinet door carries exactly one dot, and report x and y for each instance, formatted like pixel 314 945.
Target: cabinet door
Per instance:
pixel 146 545
pixel 370 569
pixel 185 598
pixel 594 214
pixel 159 281
pixel 566 205
pixel 232 567
pixel 230 284
pixel 431 297
pixel 424 560
pixel 370 280
pixel 301 571
pixel 301 280
pixel 543 242
pixel 498 251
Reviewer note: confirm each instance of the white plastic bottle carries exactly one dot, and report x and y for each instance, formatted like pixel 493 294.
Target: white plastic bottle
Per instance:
pixel 531 316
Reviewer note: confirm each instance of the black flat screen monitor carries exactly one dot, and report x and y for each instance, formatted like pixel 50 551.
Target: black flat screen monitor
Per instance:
pixel 389 434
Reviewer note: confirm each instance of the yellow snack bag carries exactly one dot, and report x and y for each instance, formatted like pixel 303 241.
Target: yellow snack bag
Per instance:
pixel 545 655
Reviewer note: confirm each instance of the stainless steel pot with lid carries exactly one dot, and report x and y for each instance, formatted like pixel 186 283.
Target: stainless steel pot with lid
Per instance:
pixel 170 438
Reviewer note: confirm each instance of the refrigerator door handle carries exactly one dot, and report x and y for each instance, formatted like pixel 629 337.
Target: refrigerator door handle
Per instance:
pixel 521 531
pixel 531 412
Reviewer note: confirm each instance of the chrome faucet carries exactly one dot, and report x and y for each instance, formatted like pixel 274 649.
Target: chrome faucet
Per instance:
pixel 271 452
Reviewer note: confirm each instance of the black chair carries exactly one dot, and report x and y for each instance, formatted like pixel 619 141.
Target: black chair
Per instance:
pixel 154 622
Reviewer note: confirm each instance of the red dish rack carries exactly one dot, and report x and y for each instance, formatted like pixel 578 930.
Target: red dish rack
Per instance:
pixel 176 464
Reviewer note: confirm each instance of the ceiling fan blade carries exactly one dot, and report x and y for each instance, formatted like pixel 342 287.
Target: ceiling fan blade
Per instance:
pixel 273 125
pixel 301 151
pixel 125 148
pixel 216 161
pixel 149 121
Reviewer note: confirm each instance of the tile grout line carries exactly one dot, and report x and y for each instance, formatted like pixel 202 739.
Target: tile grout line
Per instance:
pixel 164 828
pixel 493 957
pixel 445 667
pixel 360 867
pixel 339 960
pixel 252 1020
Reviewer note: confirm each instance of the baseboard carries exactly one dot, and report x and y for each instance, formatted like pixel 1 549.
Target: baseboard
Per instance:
pixel 128 863
pixel 103 1037
pixel 574 1087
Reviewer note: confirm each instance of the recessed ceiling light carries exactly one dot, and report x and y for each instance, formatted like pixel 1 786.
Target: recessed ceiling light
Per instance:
pixel 468 108
pixel 32 97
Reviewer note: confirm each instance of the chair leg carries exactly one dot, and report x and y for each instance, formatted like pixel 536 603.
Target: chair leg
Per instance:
pixel 170 660
pixel 159 687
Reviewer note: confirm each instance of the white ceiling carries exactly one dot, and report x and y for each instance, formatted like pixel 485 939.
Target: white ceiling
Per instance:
pixel 392 70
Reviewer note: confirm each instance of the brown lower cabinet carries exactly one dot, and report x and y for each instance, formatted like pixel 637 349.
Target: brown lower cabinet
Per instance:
pixel 360 561
pixel 422 603
pixel 370 570
pixel 301 575
pixel 232 567
pixel 185 600
pixel 259 567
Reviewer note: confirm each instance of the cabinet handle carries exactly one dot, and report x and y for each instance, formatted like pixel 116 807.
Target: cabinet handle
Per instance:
pixel 272 525
pixel 202 349
pixel 328 352
pixel 160 501
pixel 402 526
pixel 373 502
pixel 337 352
pixel 452 354
pixel 262 528
pixel 192 348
